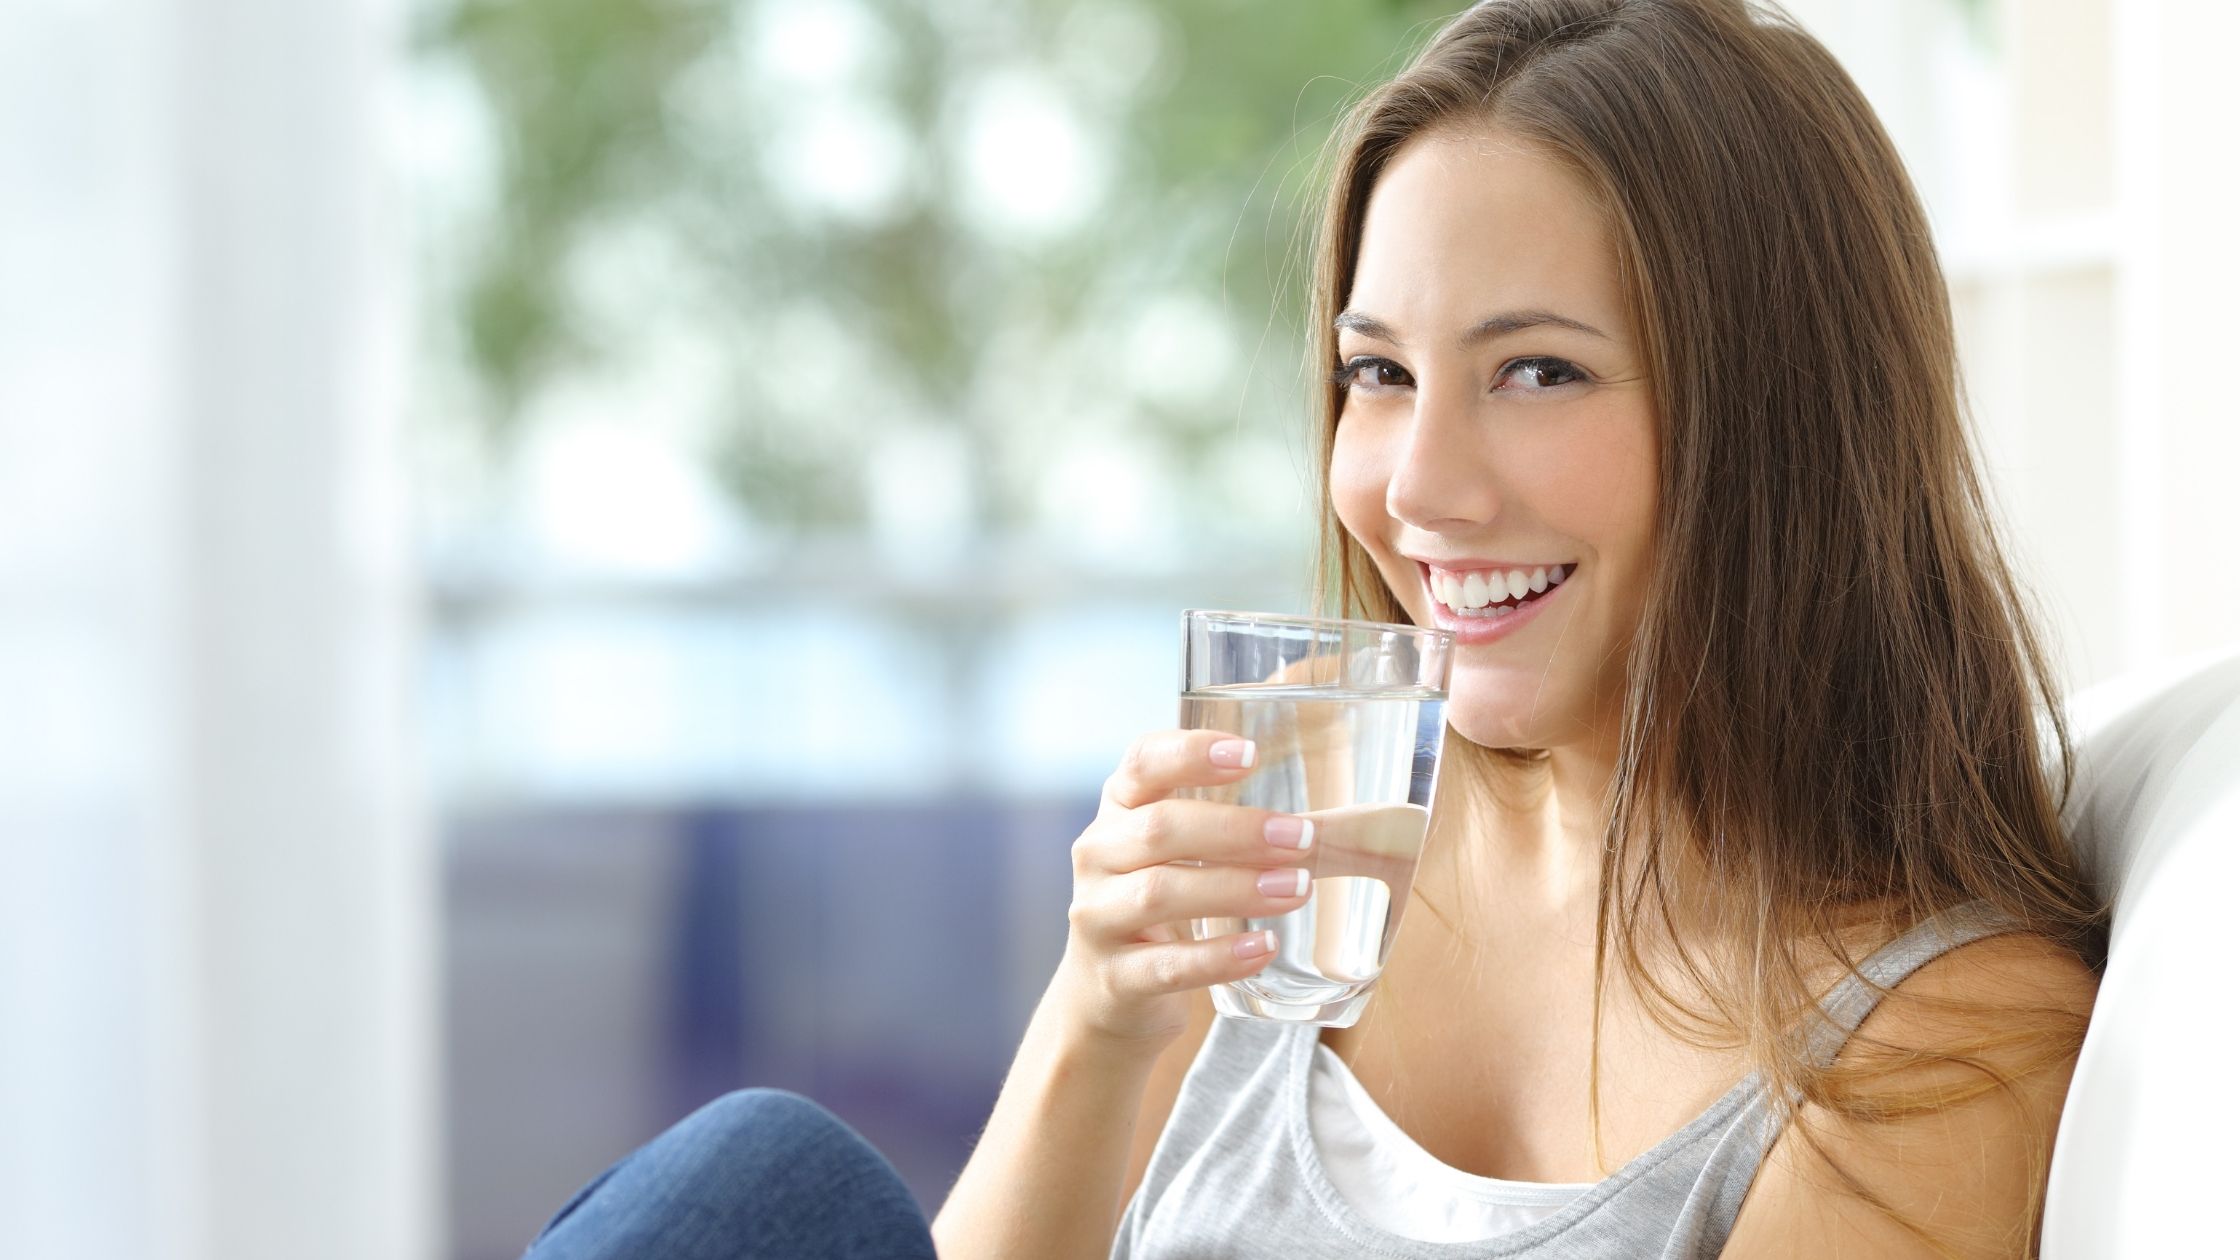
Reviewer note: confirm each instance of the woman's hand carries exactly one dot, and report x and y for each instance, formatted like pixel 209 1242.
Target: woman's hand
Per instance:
pixel 1130 963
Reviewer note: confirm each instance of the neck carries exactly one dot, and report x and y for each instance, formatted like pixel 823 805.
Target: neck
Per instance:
pixel 1528 846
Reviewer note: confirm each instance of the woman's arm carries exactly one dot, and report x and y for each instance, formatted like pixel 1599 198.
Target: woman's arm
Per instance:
pixel 1044 1181
pixel 1160 1095
pixel 1969 1174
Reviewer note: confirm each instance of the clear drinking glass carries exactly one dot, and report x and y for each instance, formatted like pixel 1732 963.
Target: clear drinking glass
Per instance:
pixel 1349 719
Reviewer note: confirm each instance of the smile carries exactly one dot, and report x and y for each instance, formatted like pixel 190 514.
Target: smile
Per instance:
pixel 1492 604
pixel 1493 593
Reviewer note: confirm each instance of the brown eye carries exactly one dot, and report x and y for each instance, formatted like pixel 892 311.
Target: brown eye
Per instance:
pixel 1544 372
pixel 1369 372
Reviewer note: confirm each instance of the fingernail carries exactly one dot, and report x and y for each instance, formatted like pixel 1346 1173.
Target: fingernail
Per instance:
pixel 1255 945
pixel 1289 882
pixel 1288 832
pixel 1232 754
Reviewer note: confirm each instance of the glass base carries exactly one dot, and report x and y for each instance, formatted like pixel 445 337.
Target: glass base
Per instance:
pixel 1229 999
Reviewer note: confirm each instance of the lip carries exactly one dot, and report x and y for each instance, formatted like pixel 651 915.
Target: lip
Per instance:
pixel 1478 630
pixel 1472 565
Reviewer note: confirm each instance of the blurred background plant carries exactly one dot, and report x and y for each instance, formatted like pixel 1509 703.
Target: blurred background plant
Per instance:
pixel 963 238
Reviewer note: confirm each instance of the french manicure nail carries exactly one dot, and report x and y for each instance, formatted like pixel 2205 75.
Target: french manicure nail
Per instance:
pixel 1289 882
pixel 1289 832
pixel 1231 754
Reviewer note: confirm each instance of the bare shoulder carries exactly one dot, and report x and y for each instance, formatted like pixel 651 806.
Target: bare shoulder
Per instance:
pixel 1970 996
pixel 2008 969
pixel 1970 1059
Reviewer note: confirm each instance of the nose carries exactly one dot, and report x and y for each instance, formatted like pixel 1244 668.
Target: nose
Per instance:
pixel 1439 482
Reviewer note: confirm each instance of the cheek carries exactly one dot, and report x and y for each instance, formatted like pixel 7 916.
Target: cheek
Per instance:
pixel 1357 487
pixel 1599 486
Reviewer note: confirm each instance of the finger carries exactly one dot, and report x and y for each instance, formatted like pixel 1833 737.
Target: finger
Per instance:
pixel 1140 900
pixel 1160 761
pixel 1183 829
pixel 1187 965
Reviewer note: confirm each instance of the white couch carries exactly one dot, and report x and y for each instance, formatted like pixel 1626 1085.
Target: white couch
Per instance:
pixel 2147 1163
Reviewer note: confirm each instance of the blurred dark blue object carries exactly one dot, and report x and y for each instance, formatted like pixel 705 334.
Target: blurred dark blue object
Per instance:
pixel 609 971
pixel 1428 751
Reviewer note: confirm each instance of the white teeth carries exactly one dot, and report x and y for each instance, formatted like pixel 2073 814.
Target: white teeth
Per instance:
pixel 1474 592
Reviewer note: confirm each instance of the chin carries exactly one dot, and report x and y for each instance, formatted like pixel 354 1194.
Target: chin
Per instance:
pixel 1494 734
pixel 1521 720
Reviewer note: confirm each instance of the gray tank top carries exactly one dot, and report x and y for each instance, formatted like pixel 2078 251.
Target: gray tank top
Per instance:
pixel 1235 1172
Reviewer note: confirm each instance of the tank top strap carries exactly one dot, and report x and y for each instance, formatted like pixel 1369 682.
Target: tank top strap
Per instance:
pixel 1848 1004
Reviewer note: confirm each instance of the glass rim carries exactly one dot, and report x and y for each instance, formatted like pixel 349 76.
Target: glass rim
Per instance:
pixel 1306 621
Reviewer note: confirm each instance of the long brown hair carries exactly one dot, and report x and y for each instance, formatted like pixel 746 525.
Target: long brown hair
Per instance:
pixel 1836 697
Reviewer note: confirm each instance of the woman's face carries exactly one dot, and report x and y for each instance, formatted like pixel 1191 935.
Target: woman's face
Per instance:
pixel 1497 419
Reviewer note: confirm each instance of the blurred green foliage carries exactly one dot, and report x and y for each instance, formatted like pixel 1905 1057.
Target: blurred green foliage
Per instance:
pixel 660 122
pixel 578 89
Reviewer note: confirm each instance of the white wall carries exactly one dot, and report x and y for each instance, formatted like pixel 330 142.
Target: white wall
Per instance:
pixel 2081 176
pixel 215 895
pixel 2178 248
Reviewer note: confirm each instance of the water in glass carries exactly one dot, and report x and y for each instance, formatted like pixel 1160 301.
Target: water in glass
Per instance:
pixel 1363 766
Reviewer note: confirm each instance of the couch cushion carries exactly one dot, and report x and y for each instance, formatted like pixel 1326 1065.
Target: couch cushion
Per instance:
pixel 2142 1165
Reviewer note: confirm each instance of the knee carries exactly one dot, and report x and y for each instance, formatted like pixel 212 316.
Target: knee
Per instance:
pixel 765 1110
pixel 775 1130
pixel 774 1147
pixel 768 1170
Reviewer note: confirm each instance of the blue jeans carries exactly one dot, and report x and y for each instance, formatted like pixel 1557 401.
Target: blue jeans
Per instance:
pixel 758 1174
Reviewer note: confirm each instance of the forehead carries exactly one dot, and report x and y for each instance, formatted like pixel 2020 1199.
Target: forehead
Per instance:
pixel 1462 224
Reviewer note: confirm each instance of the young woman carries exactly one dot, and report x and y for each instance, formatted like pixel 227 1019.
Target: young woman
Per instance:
pixel 1747 926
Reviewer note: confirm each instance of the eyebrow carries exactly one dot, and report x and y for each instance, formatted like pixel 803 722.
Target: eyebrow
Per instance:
pixel 1485 329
